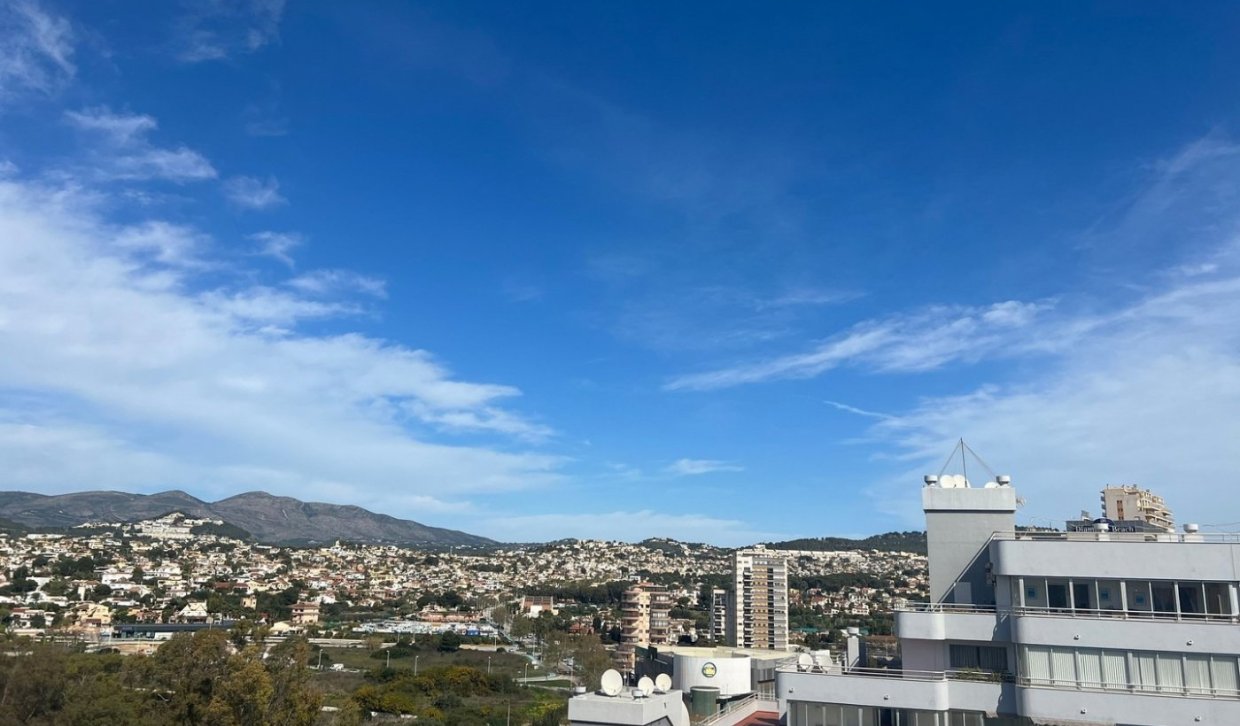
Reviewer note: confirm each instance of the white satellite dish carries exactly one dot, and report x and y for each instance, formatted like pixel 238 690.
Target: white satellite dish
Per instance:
pixel 645 685
pixel 805 661
pixel 612 682
pixel 663 682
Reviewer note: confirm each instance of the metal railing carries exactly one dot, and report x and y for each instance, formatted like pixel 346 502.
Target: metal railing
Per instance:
pixel 957 674
pixel 1170 537
pixel 1094 613
pixel 1181 691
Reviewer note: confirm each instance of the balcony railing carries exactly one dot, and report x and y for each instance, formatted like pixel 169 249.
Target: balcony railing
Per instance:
pixel 959 674
pixel 924 607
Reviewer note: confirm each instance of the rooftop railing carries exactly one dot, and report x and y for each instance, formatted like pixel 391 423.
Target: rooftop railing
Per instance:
pixel 1170 537
pixel 1159 616
pixel 958 674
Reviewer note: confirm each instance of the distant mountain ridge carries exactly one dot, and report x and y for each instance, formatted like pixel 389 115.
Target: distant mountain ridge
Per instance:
pixel 888 542
pixel 271 519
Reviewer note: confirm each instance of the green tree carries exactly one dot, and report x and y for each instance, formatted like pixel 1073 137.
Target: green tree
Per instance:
pixel 449 642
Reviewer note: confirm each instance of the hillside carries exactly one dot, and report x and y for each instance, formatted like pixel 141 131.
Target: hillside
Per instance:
pixel 272 519
pixel 887 542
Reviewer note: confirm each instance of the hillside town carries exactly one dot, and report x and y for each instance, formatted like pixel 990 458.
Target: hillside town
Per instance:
pixel 93 579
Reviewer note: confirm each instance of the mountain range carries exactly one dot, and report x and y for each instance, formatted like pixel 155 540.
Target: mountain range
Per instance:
pixel 268 518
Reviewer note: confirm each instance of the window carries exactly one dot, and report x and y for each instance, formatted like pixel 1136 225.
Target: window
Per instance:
pixel 1192 600
pixel 1083 595
pixel 1218 598
pixel 1057 594
pixel 982 657
pixel 1139 599
pixel 1109 595
pixel 1163 597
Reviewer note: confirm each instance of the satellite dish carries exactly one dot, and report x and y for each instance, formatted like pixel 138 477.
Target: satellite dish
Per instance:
pixel 663 682
pixel 805 661
pixel 612 682
pixel 645 685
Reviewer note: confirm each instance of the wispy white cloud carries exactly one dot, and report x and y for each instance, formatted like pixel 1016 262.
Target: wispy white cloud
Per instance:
pixel 328 282
pixel 125 356
pixel 36 49
pixel 1145 392
pixel 856 411
pixel 277 245
pixel 695 467
pixel 250 192
pixel 125 153
pixel 219 29
pixel 918 341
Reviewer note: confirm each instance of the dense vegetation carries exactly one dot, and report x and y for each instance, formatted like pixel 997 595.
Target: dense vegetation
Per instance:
pixel 887 542
pixel 191 679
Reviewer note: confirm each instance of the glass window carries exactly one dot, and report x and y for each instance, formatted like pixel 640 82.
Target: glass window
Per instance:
pixel 1089 666
pixel 1192 600
pixel 1170 672
pixel 1036 664
pixel 1197 673
pixel 1063 666
pixel 1057 594
pixel 1223 675
pixel 1164 597
pixel 1147 672
pixel 1139 599
pixel 1218 598
pixel 1083 595
pixel 1114 670
pixel 1109 595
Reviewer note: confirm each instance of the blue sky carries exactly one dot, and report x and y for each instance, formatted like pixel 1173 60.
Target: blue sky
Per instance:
pixel 725 272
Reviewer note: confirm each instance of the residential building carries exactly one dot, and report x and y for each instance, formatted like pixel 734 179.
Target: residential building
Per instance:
pixel 719 603
pixel 1131 503
pixel 306 613
pixel 1044 627
pixel 759 613
pixel 644 620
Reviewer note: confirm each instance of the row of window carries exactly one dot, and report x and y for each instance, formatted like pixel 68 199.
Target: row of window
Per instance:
pixel 1155 597
pixel 1131 670
pixel 805 713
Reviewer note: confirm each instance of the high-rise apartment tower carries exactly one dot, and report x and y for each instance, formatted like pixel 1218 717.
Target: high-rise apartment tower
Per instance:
pixel 759 617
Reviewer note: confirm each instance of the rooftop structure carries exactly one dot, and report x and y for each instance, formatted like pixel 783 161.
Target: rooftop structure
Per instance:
pixel 1086 627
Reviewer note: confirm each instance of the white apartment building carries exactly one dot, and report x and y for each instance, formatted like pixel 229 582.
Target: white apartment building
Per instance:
pixel 1131 629
pixel 758 617
pixel 719 603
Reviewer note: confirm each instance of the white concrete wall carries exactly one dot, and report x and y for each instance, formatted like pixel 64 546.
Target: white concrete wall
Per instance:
pixel 980 626
pixel 733 675
pixel 1061 704
pixel 1139 634
pixel 1116 560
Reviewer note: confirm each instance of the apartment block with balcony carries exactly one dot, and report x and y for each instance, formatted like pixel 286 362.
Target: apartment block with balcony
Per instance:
pixel 1131 503
pixel 1100 627
pixel 645 619
pixel 759 612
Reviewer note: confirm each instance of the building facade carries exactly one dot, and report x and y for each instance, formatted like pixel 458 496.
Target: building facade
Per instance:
pixel 759 611
pixel 1135 504
pixel 644 620
pixel 1100 627
pixel 719 606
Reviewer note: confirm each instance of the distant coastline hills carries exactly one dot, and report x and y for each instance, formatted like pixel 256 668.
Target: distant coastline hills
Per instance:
pixel 262 516
pixel 287 521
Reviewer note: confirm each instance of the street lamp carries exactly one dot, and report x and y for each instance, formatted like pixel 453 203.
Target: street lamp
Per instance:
pixel 415 665
pixel 488 665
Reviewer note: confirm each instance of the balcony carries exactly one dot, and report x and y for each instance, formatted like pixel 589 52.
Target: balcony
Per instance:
pixel 944 621
pixel 890 688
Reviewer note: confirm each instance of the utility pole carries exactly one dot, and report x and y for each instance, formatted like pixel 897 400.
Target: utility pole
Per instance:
pixel 415 665
pixel 488 665
pixel 389 658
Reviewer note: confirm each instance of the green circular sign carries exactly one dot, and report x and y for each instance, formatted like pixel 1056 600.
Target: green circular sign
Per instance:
pixel 709 670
